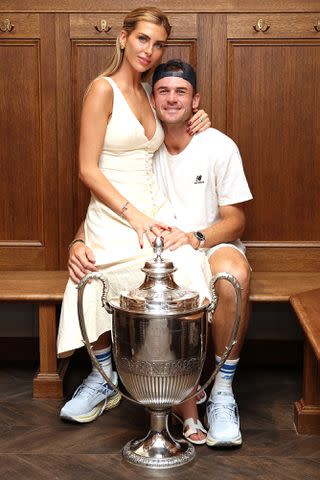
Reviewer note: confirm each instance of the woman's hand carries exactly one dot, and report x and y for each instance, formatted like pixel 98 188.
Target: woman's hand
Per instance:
pixel 81 261
pixel 144 225
pixel 199 122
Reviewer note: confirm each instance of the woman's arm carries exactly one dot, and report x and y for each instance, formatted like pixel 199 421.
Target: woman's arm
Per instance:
pixel 96 111
pixel 97 108
pixel 81 258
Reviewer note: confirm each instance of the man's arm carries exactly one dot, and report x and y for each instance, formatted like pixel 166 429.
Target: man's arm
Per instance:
pixel 229 228
pixel 81 258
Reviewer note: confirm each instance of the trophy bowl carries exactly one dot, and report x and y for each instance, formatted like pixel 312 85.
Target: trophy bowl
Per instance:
pixel 159 348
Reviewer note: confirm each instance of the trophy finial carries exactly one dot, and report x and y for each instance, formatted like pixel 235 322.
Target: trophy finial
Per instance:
pixel 158 248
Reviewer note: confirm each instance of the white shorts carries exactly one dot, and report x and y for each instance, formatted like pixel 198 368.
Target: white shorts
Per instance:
pixel 237 245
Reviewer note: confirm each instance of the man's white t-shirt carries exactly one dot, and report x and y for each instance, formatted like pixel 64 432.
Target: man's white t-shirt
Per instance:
pixel 207 174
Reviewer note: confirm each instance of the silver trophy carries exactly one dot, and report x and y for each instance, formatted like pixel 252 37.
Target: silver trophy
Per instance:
pixel 159 348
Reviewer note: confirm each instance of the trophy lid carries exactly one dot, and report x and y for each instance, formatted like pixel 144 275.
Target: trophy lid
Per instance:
pixel 159 293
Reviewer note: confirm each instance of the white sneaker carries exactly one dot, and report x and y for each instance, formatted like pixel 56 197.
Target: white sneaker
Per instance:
pixel 91 399
pixel 223 421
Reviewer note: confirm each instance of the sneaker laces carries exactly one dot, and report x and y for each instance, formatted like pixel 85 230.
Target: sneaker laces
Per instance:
pixel 92 384
pixel 223 412
pixel 222 408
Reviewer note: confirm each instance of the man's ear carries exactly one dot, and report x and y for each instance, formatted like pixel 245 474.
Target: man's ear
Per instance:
pixel 196 101
pixel 152 100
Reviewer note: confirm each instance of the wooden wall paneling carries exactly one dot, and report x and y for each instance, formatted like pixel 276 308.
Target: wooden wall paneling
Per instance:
pixel 21 187
pixel 49 152
pixel 282 25
pixel 283 258
pixel 206 6
pixel 28 188
pixel 272 92
pixel 17 257
pixel 83 25
pixel 184 24
pixel 65 138
pixel 204 62
pixel 184 49
pixel 20 133
pixel 213 75
pixel 19 25
pixel 182 43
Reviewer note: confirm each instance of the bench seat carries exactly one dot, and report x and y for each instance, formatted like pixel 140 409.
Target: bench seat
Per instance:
pixel 307 410
pixel 48 286
pixel 45 288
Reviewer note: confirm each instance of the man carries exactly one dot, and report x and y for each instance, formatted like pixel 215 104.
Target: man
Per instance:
pixel 204 180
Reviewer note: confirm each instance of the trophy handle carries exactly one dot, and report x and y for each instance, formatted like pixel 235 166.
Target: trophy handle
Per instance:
pixel 104 299
pixel 233 337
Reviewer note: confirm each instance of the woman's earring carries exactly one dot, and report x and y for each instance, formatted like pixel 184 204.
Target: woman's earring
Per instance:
pixel 122 46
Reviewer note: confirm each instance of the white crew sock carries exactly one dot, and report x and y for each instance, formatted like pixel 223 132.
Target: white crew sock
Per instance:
pixel 224 378
pixel 104 358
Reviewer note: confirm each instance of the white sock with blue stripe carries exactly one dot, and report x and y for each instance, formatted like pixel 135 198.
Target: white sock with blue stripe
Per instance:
pixel 224 378
pixel 104 358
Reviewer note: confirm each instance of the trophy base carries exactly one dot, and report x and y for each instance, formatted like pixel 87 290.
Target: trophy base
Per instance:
pixel 159 450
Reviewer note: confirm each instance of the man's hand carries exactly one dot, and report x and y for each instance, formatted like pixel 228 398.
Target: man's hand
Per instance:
pixel 81 261
pixel 176 238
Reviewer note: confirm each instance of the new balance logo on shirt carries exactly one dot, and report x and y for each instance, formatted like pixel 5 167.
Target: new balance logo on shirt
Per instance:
pixel 198 180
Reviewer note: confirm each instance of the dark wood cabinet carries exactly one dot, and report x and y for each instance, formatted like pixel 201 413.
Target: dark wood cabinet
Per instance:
pixel 28 180
pixel 273 100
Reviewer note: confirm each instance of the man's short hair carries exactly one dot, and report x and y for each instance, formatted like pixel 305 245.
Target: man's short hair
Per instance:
pixel 175 68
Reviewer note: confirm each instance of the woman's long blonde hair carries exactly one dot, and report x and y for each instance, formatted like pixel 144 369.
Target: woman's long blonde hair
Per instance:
pixel 147 14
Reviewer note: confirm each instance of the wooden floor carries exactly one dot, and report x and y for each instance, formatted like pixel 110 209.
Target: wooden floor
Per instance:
pixel 36 444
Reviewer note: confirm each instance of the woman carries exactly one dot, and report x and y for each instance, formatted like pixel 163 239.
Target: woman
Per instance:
pixel 119 134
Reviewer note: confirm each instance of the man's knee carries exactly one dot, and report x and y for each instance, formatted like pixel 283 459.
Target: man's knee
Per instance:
pixel 233 262
pixel 242 273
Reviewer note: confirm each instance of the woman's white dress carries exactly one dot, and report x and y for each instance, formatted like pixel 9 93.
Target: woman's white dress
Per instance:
pixel 126 161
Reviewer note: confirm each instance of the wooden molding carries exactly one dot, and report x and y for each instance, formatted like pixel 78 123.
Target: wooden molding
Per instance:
pixel 306 418
pixel 22 243
pixel 253 244
pixel 201 6
pixel 50 385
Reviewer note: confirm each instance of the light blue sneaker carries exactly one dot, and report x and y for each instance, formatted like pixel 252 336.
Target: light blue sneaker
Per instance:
pixel 222 419
pixel 91 399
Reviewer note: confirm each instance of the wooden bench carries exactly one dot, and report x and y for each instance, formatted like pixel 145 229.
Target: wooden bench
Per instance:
pixel 307 410
pixel 45 288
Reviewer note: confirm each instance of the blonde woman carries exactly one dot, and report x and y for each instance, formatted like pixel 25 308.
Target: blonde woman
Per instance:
pixel 119 135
